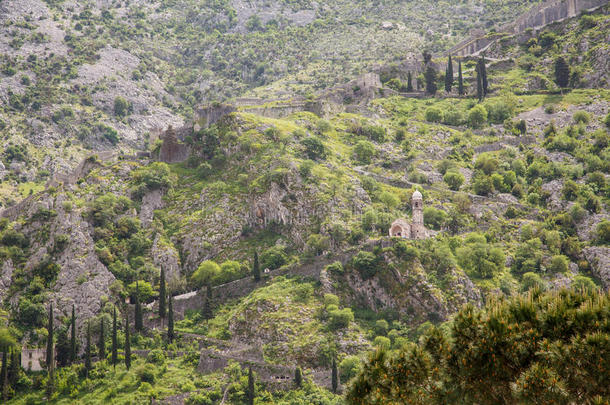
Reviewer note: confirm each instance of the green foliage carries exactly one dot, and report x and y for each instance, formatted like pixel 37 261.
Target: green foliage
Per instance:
pixel 480 258
pixel 602 233
pixel 433 114
pixel 521 349
pixel 434 218
pixel 454 180
pixel 477 116
pixel 366 263
pixel 274 257
pixel 314 148
pixel 349 367
pixel 206 273
pixel 364 151
pixel 121 107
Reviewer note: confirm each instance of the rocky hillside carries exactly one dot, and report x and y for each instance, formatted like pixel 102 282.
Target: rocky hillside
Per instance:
pixel 515 187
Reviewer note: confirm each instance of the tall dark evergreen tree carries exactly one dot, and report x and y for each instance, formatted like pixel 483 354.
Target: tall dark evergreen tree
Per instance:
pixel 250 387
pixel 49 357
pixel 127 342
pixel 4 375
pixel 101 345
pixel 115 347
pixel 15 366
pixel 298 377
pixel 88 350
pixel 207 304
pixel 427 57
pixel 409 82
pixel 162 295
pixel 256 268
pixel 483 71
pixel 449 75
pixel 62 348
pixel 479 85
pixel 138 311
pixel 73 336
pixel 170 321
pixel 430 77
pixel 460 79
pixel 562 72
pixel 335 377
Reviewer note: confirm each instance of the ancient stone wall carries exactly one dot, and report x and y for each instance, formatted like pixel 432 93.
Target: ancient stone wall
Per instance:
pixel 501 144
pixel 173 150
pixel 535 18
pixel 210 114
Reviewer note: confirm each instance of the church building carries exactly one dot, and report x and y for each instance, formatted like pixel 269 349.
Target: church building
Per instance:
pixel 401 228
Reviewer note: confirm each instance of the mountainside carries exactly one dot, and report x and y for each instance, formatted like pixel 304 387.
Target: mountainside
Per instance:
pixel 320 215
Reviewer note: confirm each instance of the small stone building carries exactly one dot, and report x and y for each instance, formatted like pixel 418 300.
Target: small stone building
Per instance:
pixel 32 359
pixel 401 228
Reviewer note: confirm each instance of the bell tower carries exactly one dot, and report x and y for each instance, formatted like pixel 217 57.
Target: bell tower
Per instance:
pixel 418 231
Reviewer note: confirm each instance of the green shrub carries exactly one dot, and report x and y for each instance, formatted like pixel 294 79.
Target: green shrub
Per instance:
pixel 374 132
pixel 454 180
pixel 532 280
pixel 602 233
pixel 581 117
pixel 364 152
pixel 453 117
pixel 274 257
pixel 349 367
pixel 206 274
pixel 382 343
pixel 483 185
pixel 314 148
pixel 366 263
pixel 340 318
pixel 303 292
pixel 146 373
pixel 498 111
pixel 331 299
pixel 583 283
pixel 381 327
pixel 559 264
pixel 433 114
pixel 477 116
pixel 434 218
pixel 156 356
pixel 121 107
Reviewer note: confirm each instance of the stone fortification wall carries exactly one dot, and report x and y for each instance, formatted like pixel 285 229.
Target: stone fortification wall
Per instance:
pixel 539 16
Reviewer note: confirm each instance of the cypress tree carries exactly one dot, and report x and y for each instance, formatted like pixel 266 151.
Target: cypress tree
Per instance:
pixel 335 377
pixel 49 357
pixel 562 72
pixel 4 375
pixel 115 347
pixel 15 366
pixel 250 387
pixel 73 337
pixel 409 82
pixel 102 342
pixel 298 377
pixel 207 304
pixel 256 268
pixel 51 379
pixel 460 79
pixel 127 342
pixel 138 310
pixel 170 321
pixel 88 350
pixel 162 295
pixel 479 85
pixel 430 76
pixel 449 75
pixel 483 70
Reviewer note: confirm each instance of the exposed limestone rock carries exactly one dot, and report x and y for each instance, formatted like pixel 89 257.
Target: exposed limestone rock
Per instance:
pixel 151 201
pixel 6 274
pixel 599 258
pixel 166 257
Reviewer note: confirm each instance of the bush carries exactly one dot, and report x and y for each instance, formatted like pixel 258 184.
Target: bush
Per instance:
pixel 477 116
pixel 581 117
pixel 274 257
pixel 331 299
pixel 146 373
pixel 303 292
pixel 454 180
pixel 366 263
pixel 483 185
pixel 374 132
pixel 389 199
pixel 381 327
pixel 453 117
pixel 340 318
pixel 382 342
pixel 498 111
pixel 433 114
pixel 559 264
pixel 583 283
pixel 364 152
pixel 156 356
pixel 206 274
pixel 532 280
pixel 602 233
pixel 349 368
pixel 121 107
pixel 434 218
pixel 314 148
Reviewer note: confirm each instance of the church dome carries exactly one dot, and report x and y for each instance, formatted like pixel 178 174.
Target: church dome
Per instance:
pixel 416 195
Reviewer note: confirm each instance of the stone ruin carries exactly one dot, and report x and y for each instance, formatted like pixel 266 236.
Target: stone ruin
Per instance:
pixel 401 228
pixel 173 150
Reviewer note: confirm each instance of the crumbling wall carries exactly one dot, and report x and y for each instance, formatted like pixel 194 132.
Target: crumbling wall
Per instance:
pixel 173 150
pixel 211 114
